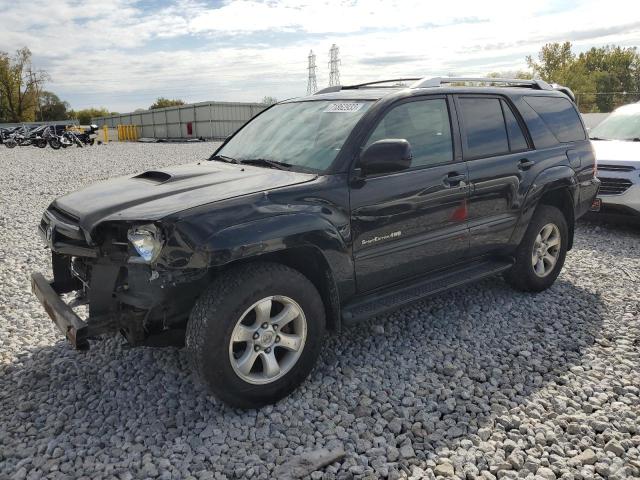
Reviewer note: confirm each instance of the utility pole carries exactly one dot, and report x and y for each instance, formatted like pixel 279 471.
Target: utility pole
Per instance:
pixel 312 84
pixel 334 63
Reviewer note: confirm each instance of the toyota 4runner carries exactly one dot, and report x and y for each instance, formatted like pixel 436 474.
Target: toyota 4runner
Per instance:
pixel 322 211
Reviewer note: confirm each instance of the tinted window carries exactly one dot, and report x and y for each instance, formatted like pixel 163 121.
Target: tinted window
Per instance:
pixel 308 135
pixel 517 140
pixel 560 116
pixel 425 124
pixel 484 127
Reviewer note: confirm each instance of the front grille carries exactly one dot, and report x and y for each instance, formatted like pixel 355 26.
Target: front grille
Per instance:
pixel 615 168
pixel 613 186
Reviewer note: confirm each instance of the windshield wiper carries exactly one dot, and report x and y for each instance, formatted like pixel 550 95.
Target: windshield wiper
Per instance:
pixel 634 139
pixel 597 138
pixel 223 158
pixel 267 163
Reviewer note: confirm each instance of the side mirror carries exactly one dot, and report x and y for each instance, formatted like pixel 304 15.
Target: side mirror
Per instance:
pixel 385 156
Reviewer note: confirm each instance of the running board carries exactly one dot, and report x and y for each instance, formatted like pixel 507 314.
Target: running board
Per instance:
pixel 382 301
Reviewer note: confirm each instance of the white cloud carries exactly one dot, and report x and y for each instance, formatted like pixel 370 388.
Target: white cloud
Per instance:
pixel 120 55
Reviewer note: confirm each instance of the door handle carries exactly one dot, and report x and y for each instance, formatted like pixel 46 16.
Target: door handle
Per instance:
pixel 453 179
pixel 525 164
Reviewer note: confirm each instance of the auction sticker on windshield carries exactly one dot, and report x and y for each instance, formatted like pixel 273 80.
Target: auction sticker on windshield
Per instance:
pixel 343 107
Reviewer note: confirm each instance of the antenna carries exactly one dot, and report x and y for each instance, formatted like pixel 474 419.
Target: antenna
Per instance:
pixel 334 62
pixel 312 84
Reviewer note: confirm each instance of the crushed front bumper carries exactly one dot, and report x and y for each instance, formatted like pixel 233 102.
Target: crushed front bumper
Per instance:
pixel 70 324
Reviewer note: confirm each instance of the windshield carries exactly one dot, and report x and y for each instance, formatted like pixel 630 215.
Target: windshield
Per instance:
pixel 308 135
pixel 623 124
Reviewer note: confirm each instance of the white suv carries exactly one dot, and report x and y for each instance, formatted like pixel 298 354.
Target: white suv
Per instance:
pixel 616 142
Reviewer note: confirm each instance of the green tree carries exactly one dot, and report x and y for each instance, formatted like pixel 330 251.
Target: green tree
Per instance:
pixel 613 69
pixel 162 102
pixel 269 100
pixel 20 86
pixel 52 108
pixel 597 76
pixel 84 116
pixel 554 61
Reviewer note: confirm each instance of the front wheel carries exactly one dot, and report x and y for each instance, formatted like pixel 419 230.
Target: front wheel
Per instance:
pixel 542 251
pixel 10 143
pixel 255 333
pixel 54 143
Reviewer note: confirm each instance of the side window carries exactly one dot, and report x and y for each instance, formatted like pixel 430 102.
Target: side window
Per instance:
pixel 517 140
pixel 559 115
pixel 484 127
pixel 425 125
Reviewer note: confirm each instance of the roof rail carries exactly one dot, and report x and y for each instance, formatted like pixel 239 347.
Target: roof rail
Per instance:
pixel 337 88
pixel 333 88
pixel 377 82
pixel 439 81
pixel 521 82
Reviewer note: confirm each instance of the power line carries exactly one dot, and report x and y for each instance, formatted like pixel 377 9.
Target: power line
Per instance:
pixel 312 84
pixel 334 63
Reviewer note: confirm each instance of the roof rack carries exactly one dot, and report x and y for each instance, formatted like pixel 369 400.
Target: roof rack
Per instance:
pixel 520 82
pixel 439 81
pixel 337 88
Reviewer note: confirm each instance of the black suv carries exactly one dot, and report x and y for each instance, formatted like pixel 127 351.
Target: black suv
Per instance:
pixel 322 211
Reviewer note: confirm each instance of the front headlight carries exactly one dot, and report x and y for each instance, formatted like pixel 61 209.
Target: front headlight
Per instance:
pixel 147 241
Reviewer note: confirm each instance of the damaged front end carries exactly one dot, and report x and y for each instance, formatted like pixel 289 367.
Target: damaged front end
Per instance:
pixel 116 271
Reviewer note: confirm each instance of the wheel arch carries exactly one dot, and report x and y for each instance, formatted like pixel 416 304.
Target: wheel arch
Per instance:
pixel 562 199
pixel 555 186
pixel 310 262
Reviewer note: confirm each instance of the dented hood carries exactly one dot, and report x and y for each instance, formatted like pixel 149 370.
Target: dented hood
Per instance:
pixel 155 194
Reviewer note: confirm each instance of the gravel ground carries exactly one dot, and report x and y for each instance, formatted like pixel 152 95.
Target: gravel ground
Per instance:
pixel 482 382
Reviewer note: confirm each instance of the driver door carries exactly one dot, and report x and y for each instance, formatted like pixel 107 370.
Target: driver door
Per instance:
pixel 406 224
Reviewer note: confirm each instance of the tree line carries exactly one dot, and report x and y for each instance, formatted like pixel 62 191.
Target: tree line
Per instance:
pixel 602 78
pixel 24 99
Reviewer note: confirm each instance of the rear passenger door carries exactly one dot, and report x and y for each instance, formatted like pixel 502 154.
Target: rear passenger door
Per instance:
pixel 495 146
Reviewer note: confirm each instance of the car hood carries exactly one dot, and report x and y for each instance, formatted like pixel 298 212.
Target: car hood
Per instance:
pixel 155 194
pixel 617 151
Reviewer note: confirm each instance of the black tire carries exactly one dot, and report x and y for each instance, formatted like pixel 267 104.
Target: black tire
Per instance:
pixel 522 275
pixel 218 311
pixel 10 143
pixel 41 143
pixel 54 143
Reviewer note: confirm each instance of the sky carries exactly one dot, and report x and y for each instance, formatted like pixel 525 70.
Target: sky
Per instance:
pixel 123 54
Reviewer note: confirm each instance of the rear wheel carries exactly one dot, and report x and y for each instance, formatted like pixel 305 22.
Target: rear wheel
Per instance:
pixel 256 333
pixel 541 254
pixel 54 143
pixel 10 143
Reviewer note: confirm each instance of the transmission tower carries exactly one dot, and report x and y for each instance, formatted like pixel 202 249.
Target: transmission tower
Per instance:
pixel 312 84
pixel 334 69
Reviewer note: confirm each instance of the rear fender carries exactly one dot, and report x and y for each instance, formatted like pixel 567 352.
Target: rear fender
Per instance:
pixel 549 180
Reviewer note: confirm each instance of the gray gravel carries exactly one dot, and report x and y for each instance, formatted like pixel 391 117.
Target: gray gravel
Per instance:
pixel 482 382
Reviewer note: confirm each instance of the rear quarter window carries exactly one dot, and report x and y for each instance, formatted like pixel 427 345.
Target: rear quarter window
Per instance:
pixel 560 116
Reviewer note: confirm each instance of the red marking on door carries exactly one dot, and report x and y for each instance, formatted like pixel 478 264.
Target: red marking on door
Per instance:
pixel 460 214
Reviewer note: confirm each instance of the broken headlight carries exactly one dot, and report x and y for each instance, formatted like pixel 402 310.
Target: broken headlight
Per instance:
pixel 147 241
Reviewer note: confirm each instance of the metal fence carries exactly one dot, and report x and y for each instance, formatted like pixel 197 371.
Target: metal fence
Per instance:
pixel 212 120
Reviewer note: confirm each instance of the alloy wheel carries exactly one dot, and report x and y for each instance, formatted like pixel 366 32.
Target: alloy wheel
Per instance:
pixel 546 250
pixel 268 340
